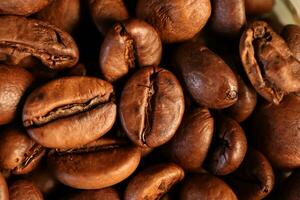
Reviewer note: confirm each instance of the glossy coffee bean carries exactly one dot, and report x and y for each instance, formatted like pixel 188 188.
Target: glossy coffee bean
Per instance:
pixel 102 163
pixel 289 189
pixel 13 84
pixel 229 147
pixel 101 194
pixel 24 189
pixel 275 131
pixel 205 186
pixel 291 34
pixel 151 106
pixel 106 13
pixel 60 113
pixel 207 77
pixel 21 38
pixel 269 63
pixel 245 104
pixel 153 182
pixel 176 20
pixel 64 14
pixel 3 188
pixel 228 17
pixel 190 145
pixel 18 152
pixel 25 7
pixel 254 179
pixel 257 7
pixel 129 44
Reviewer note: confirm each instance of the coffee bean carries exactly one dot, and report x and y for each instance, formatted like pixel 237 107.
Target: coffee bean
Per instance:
pixel 191 142
pixel 198 66
pixel 153 182
pixel 62 112
pixel 27 7
pixel 13 84
pixel 21 38
pixel 151 106
pixel 255 178
pixel 24 189
pixel 229 147
pixel 205 186
pixel 222 11
pixel 175 20
pixel 275 131
pixel 106 12
pixel 127 44
pixel 100 164
pixel 3 188
pixel 19 153
pixel 269 63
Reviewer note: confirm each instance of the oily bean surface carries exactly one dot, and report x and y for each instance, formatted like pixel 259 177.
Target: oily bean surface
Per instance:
pixel 60 113
pixel 177 20
pixel 14 82
pixel 189 146
pixel 21 38
pixel 198 66
pixel 100 164
pixel 151 98
pixel 153 182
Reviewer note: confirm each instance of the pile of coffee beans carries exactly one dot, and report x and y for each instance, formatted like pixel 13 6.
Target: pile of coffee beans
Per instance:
pixel 148 100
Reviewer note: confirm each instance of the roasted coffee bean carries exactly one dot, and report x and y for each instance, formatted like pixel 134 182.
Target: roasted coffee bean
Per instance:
pixel 130 43
pixel 3 189
pixel 153 182
pixel 102 163
pixel 18 152
pixel 25 7
pixel 229 147
pixel 13 84
pixel 65 14
pixel 254 179
pixel 205 186
pixel 275 131
pixel 24 189
pixel 151 106
pixel 228 17
pixel 289 190
pixel 245 104
pixel 257 7
pixel 70 112
pixel 291 34
pixel 177 20
pixel 101 194
pixel 21 38
pixel 190 145
pixel 269 63
pixel 106 12
pixel 207 77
